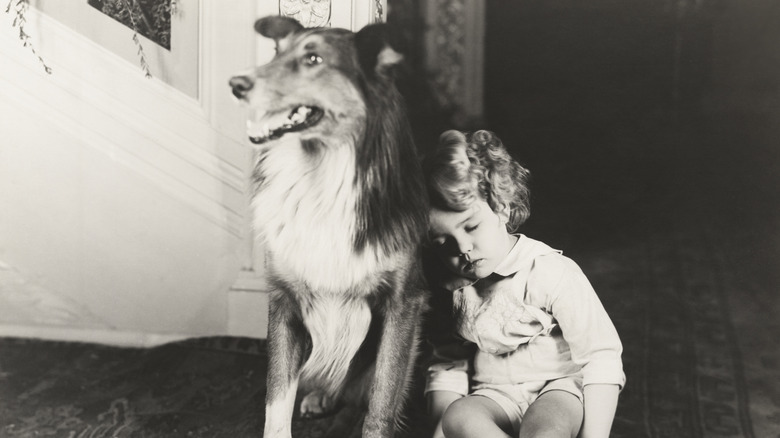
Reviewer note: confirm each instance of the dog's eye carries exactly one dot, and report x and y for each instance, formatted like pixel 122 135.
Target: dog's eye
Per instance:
pixel 312 59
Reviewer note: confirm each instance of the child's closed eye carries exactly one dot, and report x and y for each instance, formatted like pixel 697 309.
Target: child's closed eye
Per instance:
pixel 471 228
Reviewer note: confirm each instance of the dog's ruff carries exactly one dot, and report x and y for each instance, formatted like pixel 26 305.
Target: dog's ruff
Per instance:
pixel 339 203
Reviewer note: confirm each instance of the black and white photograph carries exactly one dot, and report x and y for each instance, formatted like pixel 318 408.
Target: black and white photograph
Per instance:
pixel 389 218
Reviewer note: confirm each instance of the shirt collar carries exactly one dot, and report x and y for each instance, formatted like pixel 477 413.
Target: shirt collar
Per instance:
pixel 523 252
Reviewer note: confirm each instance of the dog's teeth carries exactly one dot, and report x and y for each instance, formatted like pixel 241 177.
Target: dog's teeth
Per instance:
pixel 299 115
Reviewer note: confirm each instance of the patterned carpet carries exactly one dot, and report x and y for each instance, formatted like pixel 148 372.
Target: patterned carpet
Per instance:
pixel 684 369
pixel 665 291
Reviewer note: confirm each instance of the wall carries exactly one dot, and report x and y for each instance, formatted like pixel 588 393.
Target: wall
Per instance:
pixel 123 212
pixel 745 60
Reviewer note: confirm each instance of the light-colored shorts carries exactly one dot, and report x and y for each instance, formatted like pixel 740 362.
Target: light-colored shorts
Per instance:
pixel 515 399
pixel 448 376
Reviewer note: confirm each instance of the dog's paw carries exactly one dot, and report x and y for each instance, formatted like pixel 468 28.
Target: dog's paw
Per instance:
pixel 317 404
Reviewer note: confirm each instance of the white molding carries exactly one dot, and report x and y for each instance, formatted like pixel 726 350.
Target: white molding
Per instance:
pixel 91 335
pixel 250 280
pixel 364 12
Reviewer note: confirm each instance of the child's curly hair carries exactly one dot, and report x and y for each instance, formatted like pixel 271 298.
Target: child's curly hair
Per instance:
pixel 470 166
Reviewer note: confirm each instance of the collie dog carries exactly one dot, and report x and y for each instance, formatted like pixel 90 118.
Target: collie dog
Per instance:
pixel 339 201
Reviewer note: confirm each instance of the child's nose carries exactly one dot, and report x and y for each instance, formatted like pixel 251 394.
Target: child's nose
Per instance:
pixel 464 246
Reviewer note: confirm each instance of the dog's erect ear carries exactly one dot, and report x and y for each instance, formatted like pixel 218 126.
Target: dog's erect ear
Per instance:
pixel 279 28
pixel 375 50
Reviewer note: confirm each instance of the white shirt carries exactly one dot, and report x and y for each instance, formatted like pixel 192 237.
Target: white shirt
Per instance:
pixel 536 318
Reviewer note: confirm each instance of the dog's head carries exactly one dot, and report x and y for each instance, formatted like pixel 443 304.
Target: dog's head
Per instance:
pixel 316 85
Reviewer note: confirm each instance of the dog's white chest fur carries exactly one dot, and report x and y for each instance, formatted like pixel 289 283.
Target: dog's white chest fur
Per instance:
pixel 337 328
pixel 306 212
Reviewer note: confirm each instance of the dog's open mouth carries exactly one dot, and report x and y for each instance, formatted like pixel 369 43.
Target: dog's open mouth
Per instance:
pixel 272 128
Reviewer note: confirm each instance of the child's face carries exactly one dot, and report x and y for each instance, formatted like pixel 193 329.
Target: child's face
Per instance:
pixel 471 243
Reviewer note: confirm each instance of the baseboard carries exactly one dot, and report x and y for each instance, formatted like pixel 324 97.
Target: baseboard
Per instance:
pixel 89 335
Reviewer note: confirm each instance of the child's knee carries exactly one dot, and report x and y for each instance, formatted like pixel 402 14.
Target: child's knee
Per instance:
pixel 474 416
pixel 456 419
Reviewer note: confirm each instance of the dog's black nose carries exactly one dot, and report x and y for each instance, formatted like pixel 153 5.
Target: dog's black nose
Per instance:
pixel 241 85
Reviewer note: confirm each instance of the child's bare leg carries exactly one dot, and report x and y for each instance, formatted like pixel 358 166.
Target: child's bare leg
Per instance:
pixel 555 414
pixel 438 402
pixel 476 416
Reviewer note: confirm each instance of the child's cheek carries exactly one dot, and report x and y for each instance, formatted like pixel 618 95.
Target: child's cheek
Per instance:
pixel 448 261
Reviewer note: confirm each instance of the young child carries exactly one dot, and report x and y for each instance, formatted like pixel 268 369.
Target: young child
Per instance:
pixel 548 359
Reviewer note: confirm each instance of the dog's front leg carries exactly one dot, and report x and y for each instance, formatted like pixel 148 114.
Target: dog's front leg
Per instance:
pixel 286 338
pixel 394 365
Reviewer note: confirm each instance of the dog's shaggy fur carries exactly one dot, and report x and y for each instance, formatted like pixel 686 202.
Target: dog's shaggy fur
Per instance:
pixel 340 203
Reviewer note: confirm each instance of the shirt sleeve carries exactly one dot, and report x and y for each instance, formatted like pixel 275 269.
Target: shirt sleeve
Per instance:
pixel 559 285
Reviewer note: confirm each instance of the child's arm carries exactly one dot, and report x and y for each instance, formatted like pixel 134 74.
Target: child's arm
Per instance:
pixel 600 405
pixel 445 382
pixel 592 337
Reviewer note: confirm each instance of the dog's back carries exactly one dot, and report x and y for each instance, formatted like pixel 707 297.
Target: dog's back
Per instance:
pixel 340 204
